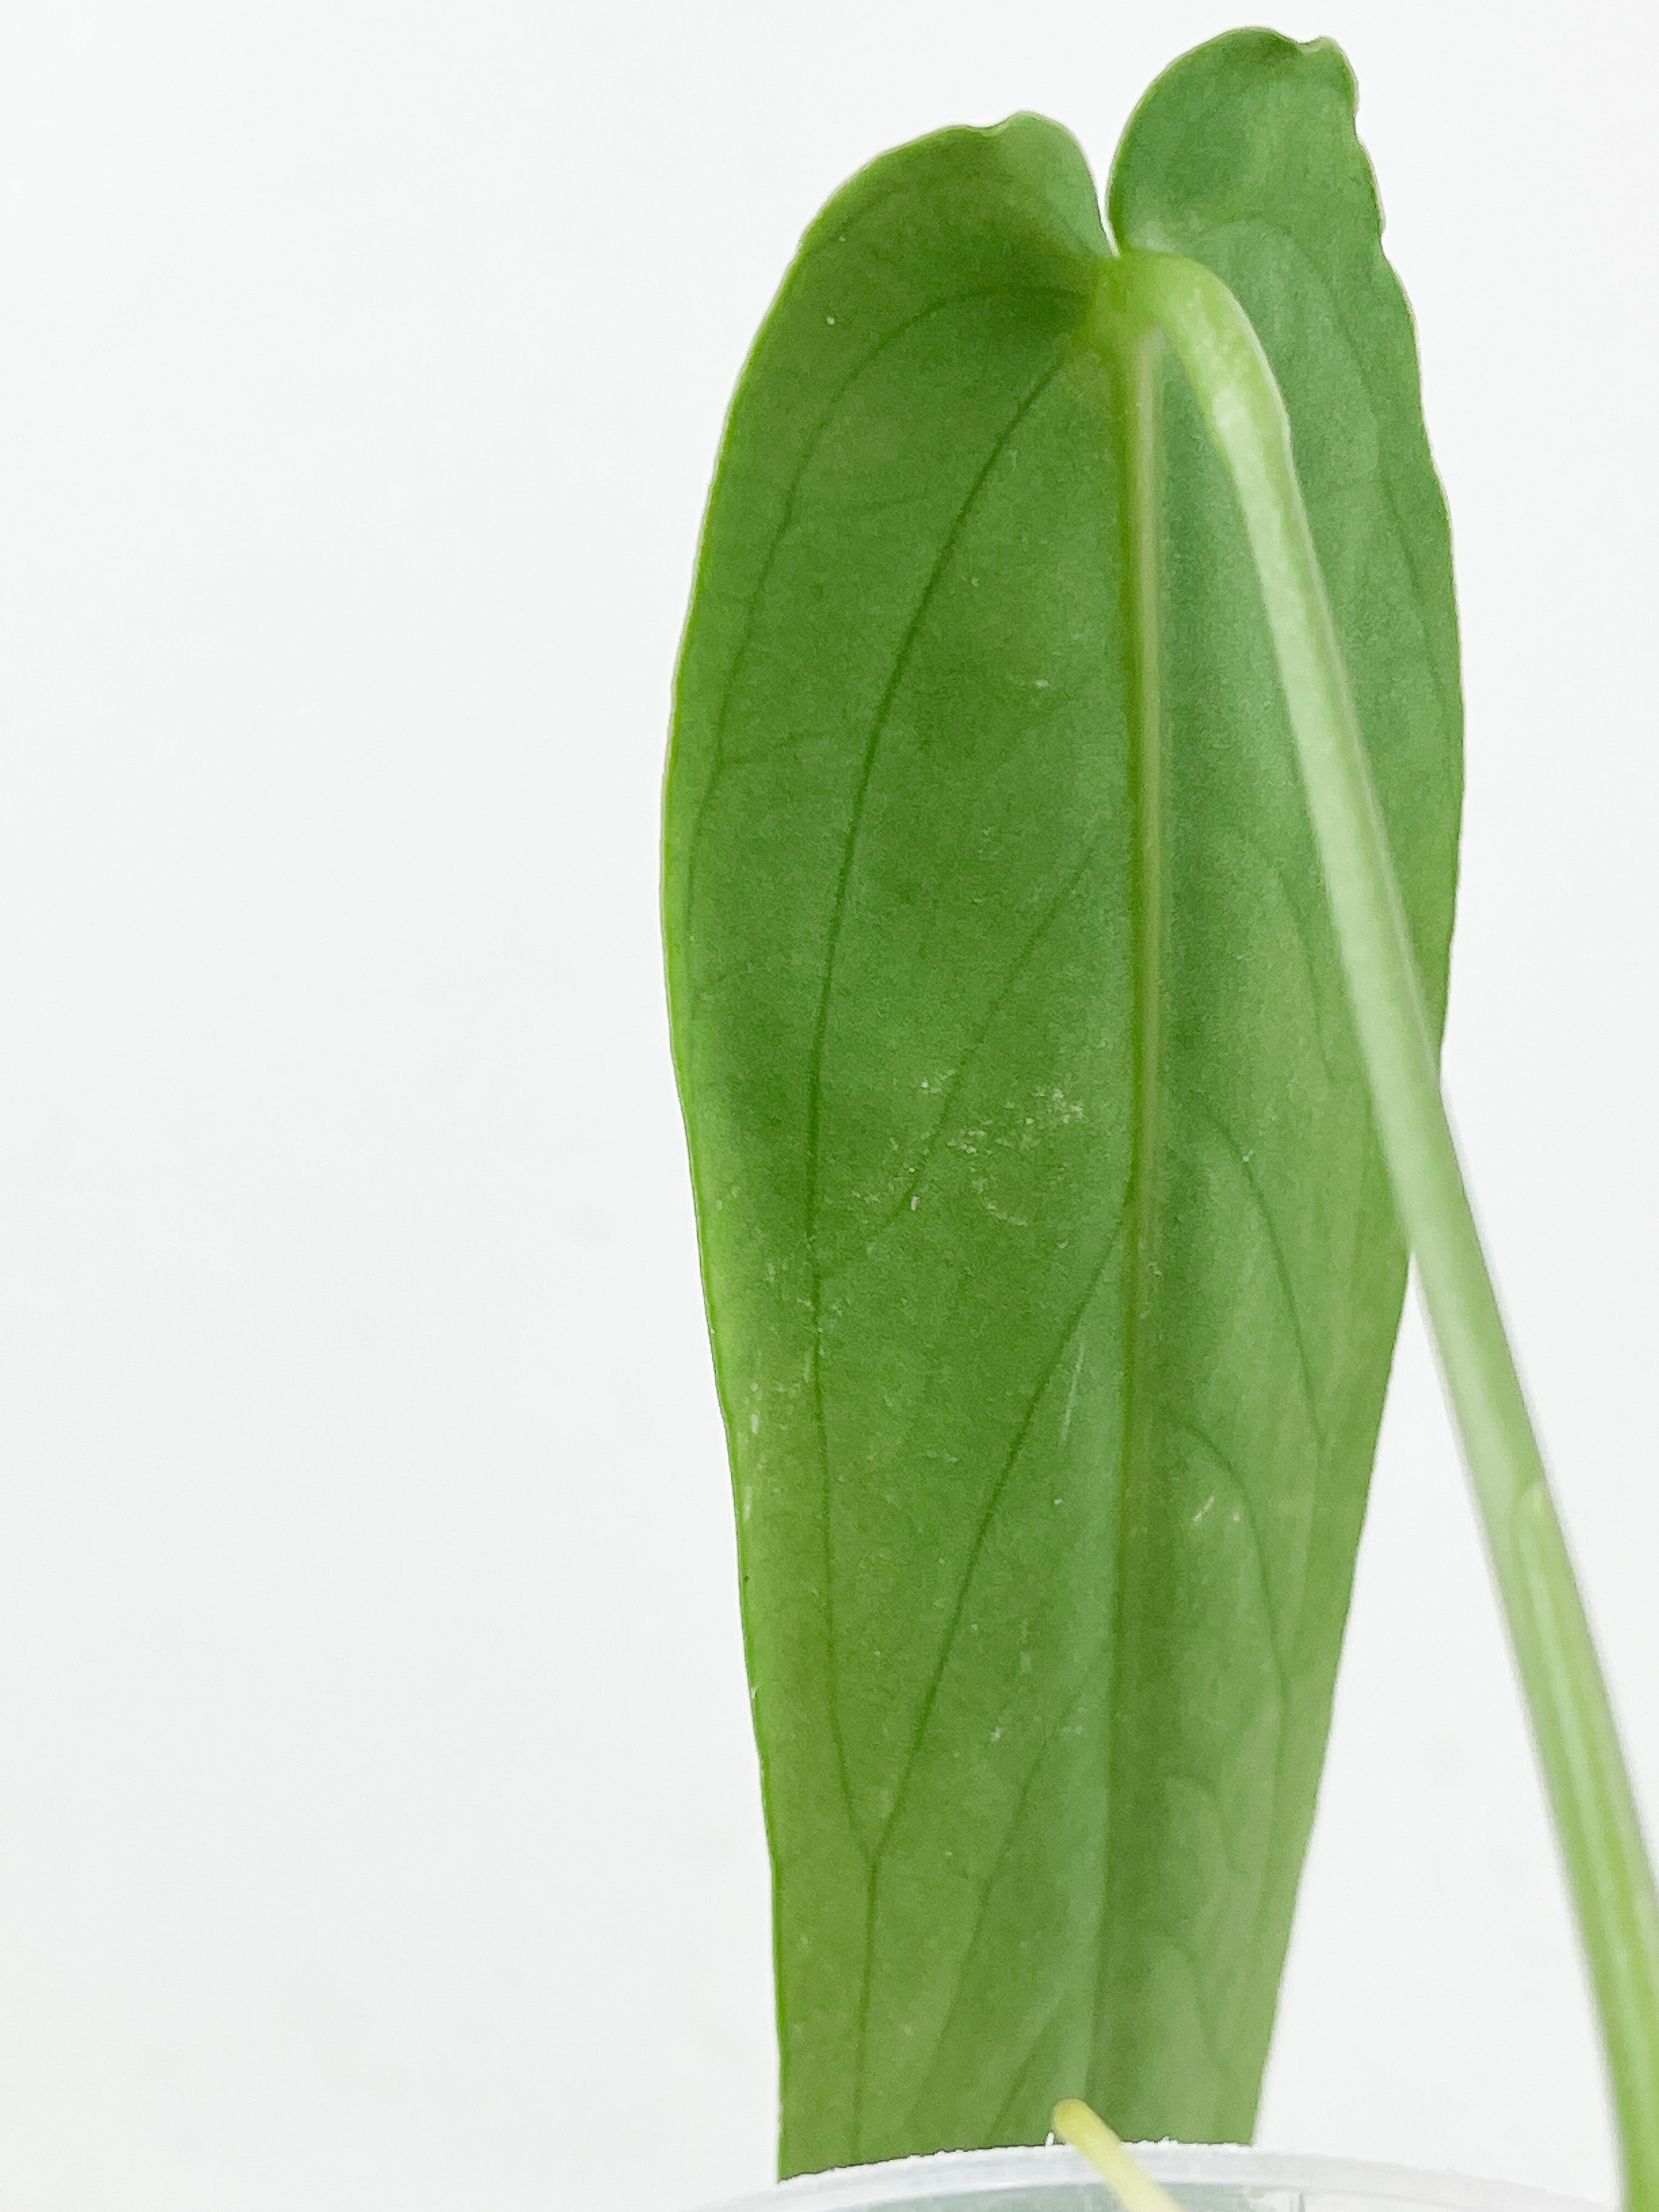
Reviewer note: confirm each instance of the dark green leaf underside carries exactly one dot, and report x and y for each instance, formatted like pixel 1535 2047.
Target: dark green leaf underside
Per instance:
pixel 1047 1501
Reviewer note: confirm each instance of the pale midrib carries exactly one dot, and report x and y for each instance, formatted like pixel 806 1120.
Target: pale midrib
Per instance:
pixel 1137 365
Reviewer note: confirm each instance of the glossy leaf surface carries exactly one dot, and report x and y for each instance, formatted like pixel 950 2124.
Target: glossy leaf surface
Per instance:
pixel 1053 1276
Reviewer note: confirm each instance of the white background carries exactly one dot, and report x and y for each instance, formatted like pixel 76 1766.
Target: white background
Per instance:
pixel 378 1821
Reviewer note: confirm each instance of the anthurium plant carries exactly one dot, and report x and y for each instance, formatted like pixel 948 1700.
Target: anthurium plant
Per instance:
pixel 1061 840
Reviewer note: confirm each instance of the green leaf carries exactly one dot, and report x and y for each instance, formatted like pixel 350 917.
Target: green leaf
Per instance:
pixel 1052 1273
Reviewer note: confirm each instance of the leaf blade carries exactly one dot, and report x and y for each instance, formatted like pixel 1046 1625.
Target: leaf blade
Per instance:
pixel 844 1118
pixel 1244 156
pixel 1021 1843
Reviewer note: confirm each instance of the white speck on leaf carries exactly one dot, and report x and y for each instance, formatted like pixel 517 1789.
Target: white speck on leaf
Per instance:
pixel 1204 1509
pixel 1071 1394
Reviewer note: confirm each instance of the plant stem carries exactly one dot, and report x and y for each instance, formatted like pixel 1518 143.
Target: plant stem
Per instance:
pixel 1081 2126
pixel 1577 1743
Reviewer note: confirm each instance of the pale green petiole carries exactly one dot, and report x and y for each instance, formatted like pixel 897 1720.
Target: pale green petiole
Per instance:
pixel 1578 1748
pixel 1081 2126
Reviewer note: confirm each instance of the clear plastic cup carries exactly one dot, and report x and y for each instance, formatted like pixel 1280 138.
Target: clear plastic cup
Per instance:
pixel 1205 2177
